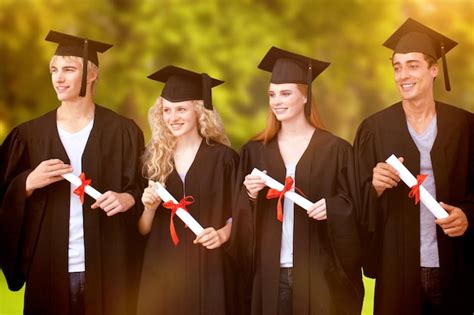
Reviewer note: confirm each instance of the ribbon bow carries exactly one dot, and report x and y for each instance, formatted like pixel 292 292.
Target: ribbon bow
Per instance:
pixel 275 193
pixel 415 189
pixel 186 201
pixel 81 189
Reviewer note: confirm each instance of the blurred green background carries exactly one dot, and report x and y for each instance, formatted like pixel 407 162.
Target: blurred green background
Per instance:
pixel 226 39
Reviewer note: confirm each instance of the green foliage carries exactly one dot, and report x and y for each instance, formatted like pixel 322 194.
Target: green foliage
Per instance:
pixel 226 39
pixel 11 303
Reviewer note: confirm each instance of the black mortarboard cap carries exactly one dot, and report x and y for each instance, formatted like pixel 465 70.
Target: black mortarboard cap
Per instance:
pixel 413 36
pixel 288 67
pixel 184 85
pixel 69 45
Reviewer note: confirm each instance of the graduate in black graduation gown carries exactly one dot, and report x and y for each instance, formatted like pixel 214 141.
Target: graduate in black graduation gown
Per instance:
pixel 390 219
pixel 190 154
pixel 35 211
pixel 320 271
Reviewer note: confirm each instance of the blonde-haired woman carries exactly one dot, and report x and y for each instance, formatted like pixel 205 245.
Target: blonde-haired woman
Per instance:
pixel 299 262
pixel 190 154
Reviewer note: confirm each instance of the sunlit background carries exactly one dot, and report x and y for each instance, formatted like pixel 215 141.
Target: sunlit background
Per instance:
pixel 226 39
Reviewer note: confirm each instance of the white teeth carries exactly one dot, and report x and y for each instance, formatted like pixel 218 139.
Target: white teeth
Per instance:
pixel 176 126
pixel 408 85
pixel 280 110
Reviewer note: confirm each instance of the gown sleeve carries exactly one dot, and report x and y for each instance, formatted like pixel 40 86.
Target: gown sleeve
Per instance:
pixel 242 241
pixel 370 207
pixel 230 173
pixel 133 181
pixel 134 184
pixel 14 170
pixel 132 167
pixel 342 227
pixel 467 205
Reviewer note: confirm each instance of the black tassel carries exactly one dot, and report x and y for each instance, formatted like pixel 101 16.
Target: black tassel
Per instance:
pixel 447 84
pixel 309 79
pixel 206 91
pixel 85 57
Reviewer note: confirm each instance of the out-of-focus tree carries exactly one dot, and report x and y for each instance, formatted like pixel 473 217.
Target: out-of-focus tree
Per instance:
pixel 227 39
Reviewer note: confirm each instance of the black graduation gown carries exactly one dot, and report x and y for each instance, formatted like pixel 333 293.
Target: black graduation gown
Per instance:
pixel 326 257
pixel 188 278
pixel 392 222
pixel 34 231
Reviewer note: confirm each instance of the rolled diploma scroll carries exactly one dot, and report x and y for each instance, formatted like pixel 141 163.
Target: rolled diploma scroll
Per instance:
pixel 181 213
pixel 410 180
pixel 76 181
pixel 295 197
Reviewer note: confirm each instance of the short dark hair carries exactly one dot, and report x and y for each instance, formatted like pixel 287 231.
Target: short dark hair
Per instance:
pixel 430 60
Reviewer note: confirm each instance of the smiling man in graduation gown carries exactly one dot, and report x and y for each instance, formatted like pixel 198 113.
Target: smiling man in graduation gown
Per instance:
pixel 75 254
pixel 421 263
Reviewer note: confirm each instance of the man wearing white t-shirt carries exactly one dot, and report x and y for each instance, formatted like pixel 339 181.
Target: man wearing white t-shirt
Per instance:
pixel 76 255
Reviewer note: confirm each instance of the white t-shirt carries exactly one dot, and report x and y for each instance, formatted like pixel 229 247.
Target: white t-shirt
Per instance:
pixel 74 144
pixel 286 250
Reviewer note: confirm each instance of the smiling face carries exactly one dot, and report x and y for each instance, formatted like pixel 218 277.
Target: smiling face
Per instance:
pixel 66 76
pixel 286 101
pixel 414 76
pixel 180 117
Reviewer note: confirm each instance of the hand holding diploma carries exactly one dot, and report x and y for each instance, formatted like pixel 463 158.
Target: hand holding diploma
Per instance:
pixel 111 202
pixel 46 173
pixel 417 188
pixel 178 208
pixel 278 190
pixel 254 183
pixel 211 239
pixel 150 198
pixel 318 210
pixel 456 223
pixel 384 176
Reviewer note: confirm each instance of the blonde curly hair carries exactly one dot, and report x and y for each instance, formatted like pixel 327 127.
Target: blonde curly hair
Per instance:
pixel 158 157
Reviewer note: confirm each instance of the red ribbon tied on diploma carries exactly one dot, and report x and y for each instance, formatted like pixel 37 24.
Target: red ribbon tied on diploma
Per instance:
pixel 186 201
pixel 415 189
pixel 274 193
pixel 80 190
